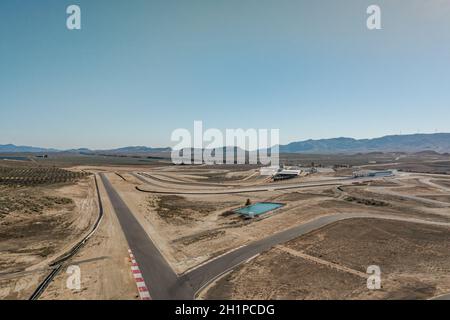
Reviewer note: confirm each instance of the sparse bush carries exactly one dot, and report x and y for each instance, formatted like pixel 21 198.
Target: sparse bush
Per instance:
pixel 29 203
pixel 367 202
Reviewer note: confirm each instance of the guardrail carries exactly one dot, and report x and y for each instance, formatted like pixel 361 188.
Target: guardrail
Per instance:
pixel 58 264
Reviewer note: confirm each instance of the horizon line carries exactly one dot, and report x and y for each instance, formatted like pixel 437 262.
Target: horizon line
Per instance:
pixel 56 149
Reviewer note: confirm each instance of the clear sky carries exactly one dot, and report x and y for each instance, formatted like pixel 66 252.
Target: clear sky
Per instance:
pixel 139 69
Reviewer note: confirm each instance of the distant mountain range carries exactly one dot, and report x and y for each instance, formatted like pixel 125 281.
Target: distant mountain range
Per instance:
pixel 136 149
pixel 437 142
pixel 10 148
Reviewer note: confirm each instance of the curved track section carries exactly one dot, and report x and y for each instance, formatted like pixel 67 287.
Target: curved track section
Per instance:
pixel 208 272
pixel 164 283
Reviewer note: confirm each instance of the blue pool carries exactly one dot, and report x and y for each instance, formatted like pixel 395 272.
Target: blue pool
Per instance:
pixel 258 208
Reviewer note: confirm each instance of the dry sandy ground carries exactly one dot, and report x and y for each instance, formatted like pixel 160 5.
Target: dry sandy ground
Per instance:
pixel 192 241
pixel 189 235
pixel 331 263
pixel 191 229
pixel 103 262
pixel 406 195
pixel 30 239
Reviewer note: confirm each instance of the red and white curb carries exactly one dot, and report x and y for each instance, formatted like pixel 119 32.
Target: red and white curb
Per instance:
pixel 144 294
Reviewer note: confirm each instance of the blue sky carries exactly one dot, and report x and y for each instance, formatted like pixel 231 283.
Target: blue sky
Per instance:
pixel 140 69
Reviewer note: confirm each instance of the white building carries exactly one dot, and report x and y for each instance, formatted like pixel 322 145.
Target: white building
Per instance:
pixel 289 172
pixel 269 171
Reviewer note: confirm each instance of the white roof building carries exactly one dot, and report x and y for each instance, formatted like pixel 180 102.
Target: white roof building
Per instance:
pixel 289 172
pixel 269 171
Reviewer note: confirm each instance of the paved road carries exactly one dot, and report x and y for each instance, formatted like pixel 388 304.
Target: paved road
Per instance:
pixel 180 182
pixel 204 274
pixel 160 183
pixel 435 185
pixel 274 187
pixel 161 280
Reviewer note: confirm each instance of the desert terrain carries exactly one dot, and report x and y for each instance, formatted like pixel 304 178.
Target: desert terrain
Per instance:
pixel 43 213
pixel 189 241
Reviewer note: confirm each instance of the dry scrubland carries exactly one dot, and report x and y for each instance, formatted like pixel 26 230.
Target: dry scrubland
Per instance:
pixel 42 212
pixel 413 258
pixel 190 229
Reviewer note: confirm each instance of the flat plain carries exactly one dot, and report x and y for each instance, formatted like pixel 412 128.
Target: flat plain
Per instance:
pixel 399 223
